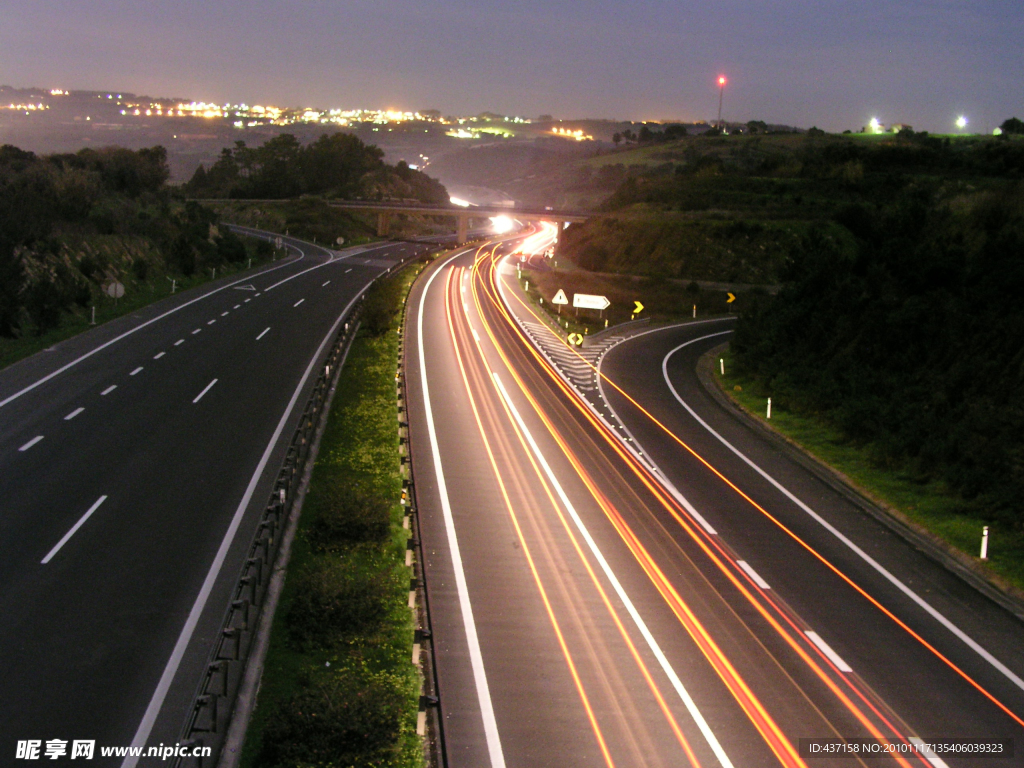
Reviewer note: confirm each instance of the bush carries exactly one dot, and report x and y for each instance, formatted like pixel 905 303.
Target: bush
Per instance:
pixel 379 307
pixel 348 716
pixel 336 599
pixel 344 515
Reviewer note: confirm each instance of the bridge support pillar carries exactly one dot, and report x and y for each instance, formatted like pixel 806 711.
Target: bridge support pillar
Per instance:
pixel 383 224
pixel 462 229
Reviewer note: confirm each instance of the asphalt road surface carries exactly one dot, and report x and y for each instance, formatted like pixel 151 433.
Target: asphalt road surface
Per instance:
pixel 592 608
pixel 134 462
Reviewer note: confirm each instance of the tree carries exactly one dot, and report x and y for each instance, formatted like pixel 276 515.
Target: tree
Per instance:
pixel 757 126
pixel 675 131
pixel 616 138
pixel 1013 125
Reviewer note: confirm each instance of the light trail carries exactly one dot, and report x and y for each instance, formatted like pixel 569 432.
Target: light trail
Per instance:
pixel 519 533
pixel 828 564
pixel 769 731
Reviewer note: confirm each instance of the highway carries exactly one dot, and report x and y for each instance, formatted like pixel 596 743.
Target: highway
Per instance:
pixel 610 584
pixel 134 462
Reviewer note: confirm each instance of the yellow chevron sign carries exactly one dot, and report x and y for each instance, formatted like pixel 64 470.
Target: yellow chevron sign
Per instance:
pixel 576 339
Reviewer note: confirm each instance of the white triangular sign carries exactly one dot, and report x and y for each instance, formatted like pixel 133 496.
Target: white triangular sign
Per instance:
pixel 560 298
pixel 245 288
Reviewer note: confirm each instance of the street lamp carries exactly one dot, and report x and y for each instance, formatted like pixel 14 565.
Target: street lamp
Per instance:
pixel 721 93
pixel 961 122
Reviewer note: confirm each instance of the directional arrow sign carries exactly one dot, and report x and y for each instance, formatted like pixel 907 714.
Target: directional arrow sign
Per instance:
pixel 639 307
pixel 576 339
pixel 560 298
pixel 731 298
pixel 587 301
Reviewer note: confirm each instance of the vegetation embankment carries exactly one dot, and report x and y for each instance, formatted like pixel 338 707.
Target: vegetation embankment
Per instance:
pixel 72 225
pixel 928 504
pixel 339 688
pixel 904 336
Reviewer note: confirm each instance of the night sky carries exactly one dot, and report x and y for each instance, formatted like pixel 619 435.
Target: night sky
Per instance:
pixel 831 63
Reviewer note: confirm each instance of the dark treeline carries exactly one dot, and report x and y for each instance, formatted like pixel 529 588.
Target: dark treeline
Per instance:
pixel 335 165
pixel 71 222
pixel 904 327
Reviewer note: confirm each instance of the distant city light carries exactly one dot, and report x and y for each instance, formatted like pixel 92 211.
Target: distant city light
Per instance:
pixel 875 125
pixel 459 201
pixel 961 122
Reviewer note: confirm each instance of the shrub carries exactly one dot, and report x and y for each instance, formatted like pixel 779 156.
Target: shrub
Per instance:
pixel 348 716
pixel 345 515
pixel 340 598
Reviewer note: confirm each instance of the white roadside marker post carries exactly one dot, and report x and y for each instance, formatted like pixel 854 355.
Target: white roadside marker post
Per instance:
pixel 769 407
pixel 984 543
pixel 721 365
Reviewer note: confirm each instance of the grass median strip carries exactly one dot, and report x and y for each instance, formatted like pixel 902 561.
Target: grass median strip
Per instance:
pixel 927 505
pixel 338 686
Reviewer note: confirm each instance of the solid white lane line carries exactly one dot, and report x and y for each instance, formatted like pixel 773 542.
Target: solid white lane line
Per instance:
pixel 185 637
pixel 179 341
pixel 663 661
pixel 127 333
pixel 476 335
pixel 879 568
pixel 326 284
pixel 263 334
pixel 928 754
pixel 137 370
pixel 109 389
pixel 298 302
pixel 824 647
pixel 205 390
pixel 754 575
pixel 197 330
pixel 31 442
pixel 74 528
pixel 462 589
pixel 211 322
pixel 158 355
pixel 74 413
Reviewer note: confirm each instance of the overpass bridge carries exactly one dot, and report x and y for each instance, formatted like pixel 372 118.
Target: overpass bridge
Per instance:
pixel 461 214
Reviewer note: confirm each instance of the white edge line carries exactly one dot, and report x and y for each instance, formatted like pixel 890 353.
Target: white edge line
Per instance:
pixel 185 637
pixel 74 528
pixel 663 661
pixel 127 333
pixel 927 754
pixel 490 724
pixel 265 330
pixel 825 648
pixel 963 636
pixel 206 389
pixel 30 443
pixel 754 575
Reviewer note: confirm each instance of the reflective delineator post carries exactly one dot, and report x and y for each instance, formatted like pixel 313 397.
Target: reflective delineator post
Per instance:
pixel 769 407
pixel 721 365
pixel 984 543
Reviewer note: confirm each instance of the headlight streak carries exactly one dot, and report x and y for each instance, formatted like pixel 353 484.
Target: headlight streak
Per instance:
pixel 654 573
pixel 662 704
pixel 734 683
pixel 821 558
pixel 519 532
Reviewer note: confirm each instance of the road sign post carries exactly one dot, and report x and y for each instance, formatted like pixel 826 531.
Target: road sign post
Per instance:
pixel 559 299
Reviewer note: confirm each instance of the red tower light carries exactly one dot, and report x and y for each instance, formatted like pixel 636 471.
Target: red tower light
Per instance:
pixel 721 80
